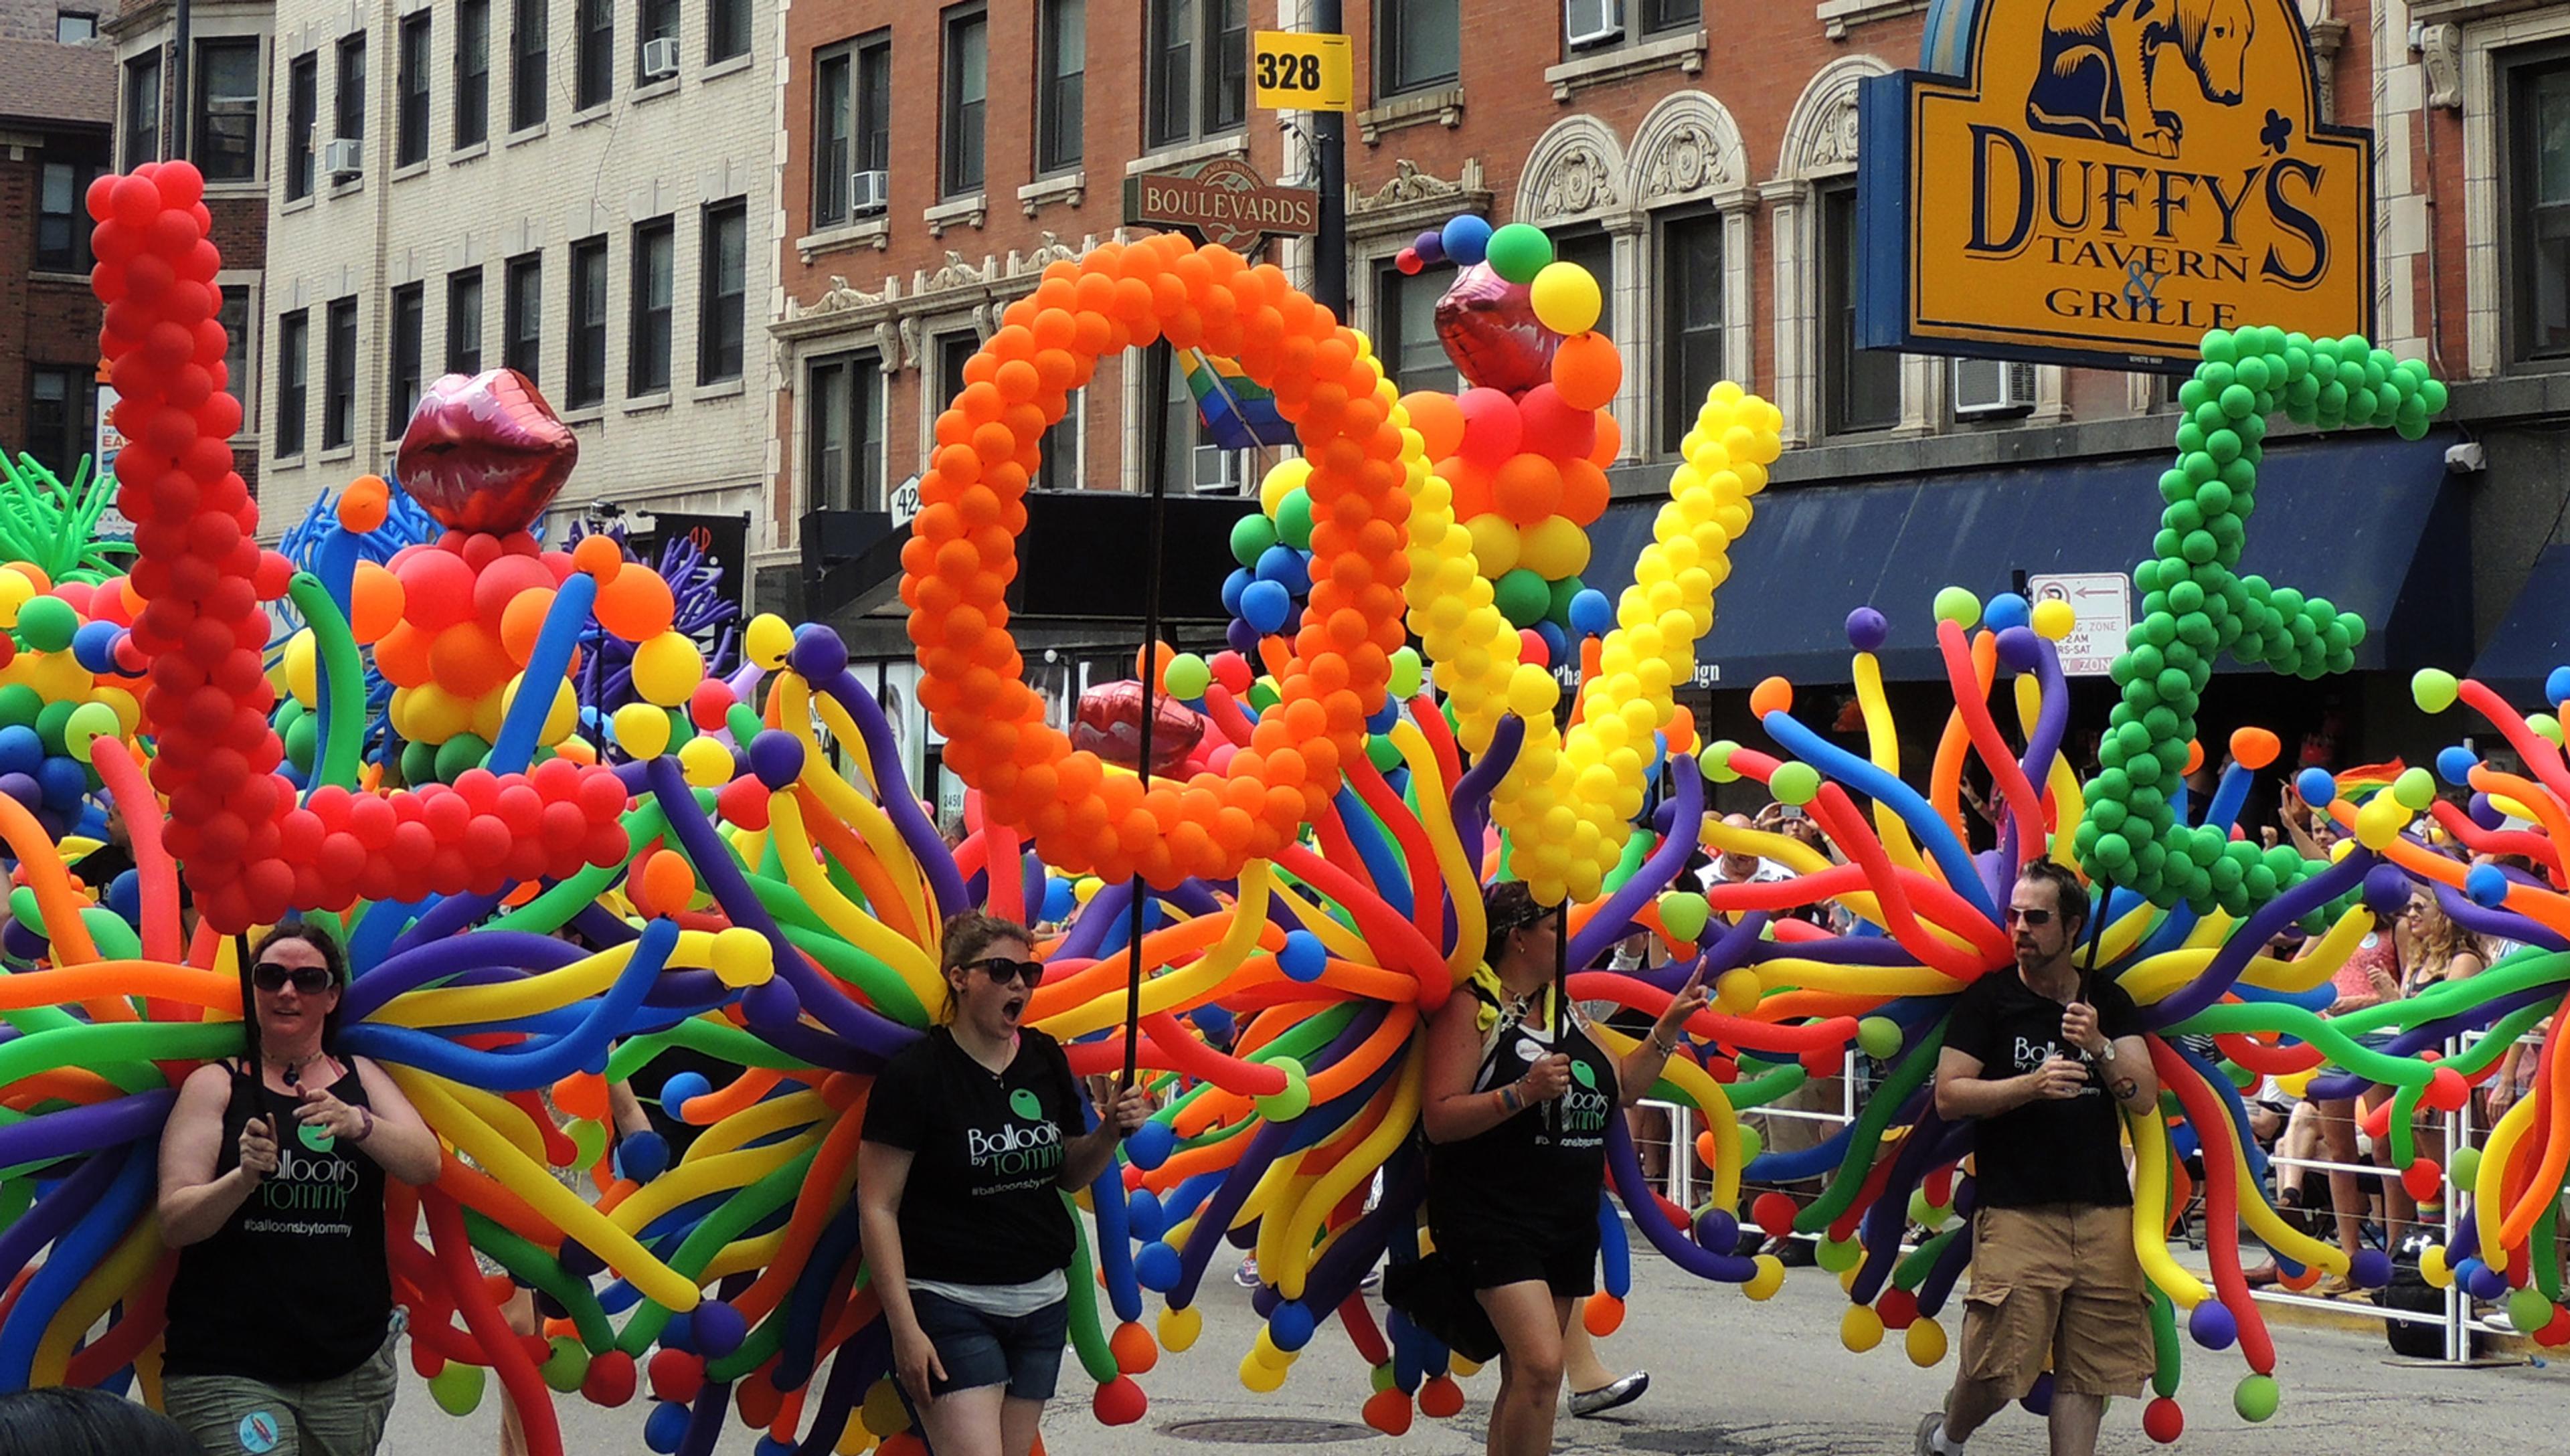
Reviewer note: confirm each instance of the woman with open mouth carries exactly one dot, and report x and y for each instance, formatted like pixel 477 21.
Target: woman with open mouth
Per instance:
pixel 972 1135
pixel 273 1190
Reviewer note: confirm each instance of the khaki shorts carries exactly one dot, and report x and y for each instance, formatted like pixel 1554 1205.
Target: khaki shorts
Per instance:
pixel 2058 1286
pixel 233 1415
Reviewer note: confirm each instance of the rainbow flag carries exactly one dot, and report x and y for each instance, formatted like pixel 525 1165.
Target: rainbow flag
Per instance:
pixel 2362 782
pixel 1237 413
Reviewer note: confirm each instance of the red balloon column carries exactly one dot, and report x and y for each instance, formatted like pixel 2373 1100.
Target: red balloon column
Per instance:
pixel 250 853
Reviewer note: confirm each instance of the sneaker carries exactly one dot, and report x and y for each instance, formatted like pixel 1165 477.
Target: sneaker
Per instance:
pixel 1792 1253
pixel 1247 1274
pixel 2337 1286
pixel 1610 1395
pixel 1931 1436
pixel 1371 1280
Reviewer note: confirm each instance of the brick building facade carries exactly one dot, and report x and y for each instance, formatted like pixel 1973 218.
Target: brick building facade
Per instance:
pixel 57 107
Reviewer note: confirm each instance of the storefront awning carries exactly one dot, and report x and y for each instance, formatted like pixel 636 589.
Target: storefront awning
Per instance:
pixel 2534 637
pixel 2368 522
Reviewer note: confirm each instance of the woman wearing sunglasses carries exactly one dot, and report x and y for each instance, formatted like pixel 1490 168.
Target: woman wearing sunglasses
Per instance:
pixel 273 1190
pixel 972 1136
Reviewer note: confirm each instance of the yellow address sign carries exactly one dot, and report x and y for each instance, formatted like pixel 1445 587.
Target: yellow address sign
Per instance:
pixel 1302 71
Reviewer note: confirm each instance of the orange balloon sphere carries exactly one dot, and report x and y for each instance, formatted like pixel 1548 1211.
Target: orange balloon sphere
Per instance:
pixel 599 555
pixel 401 655
pixel 374 603
pixel 668 884
pixel 1583 492
pixel 1610 441
pixel 1587 370
pixel 1773 695
pixel 635 604
pixel 1438 419
pixel 2253 748
pixel 468 660
pixel 1526 488
pixel 521 622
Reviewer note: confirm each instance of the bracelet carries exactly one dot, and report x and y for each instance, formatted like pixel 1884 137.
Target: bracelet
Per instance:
pixel 1509 1099
pixel 1666 1048
pixel 369 1116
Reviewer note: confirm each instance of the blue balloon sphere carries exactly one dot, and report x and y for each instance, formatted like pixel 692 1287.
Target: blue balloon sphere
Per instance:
pixel 2455 764
pixel 1385 717
pixel 1287 567
pixel 680 1087
pixel 1233 586
pixel 2019 648
pixel 125 895
pixel 681 1333
pixel 1431 246
pixel 643 1156
pixel 817 655
pixel 2485 884
pixel 1556 643
pixel 1214 1021
pixel 94 645
pixel 1240 636
pixel 1303 957
pixel 770 1446
pixel 1465 238
pixel 1157 1268
pixel 2005 610
pixel 1265 606
pixel 63 782
pixel 2370 1269
pixel 1150 1145
pixel 2387 890
pixel 1060 900
pixel 2486 1283
pixel 2484 813
pixel 719 1329
pixel 2212 1326
pixel 1867 630
pixel 1145 1219
pixel 1290 1326
pixel 1717 1230
pixel 2038 1401
pixel 22 750
pixel 2317 787
pixel 2556 685
pixel 1591 614
pixel 665 1427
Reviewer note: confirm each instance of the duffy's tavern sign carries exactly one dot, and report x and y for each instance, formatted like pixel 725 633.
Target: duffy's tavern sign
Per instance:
pixel 2108 179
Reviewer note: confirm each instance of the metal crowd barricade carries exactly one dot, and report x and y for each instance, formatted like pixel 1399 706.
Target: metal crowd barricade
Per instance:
pixel 1681 1182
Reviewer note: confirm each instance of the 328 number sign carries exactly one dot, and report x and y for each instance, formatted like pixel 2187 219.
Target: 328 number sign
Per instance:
pixel 1301 71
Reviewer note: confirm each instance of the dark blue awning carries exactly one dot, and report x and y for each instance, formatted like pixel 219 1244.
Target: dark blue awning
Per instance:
pixel 2534 637
pixel 2367 521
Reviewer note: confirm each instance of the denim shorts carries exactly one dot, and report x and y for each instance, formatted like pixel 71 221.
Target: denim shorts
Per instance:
pixel 1022 1353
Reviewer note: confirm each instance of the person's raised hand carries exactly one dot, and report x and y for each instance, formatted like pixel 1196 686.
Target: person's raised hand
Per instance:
pixel 2079 1029
pixel 1548 1079
pixel 257 1149
pixel 319 1109
pixel 1690 999
pixel 1130 1109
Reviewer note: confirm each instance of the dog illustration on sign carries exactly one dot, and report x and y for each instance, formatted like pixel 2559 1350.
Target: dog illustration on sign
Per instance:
pixel 2101 60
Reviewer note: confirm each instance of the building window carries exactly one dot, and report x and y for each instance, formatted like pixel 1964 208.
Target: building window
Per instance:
pixel 1406 331
pixel 1692 296
pixel 1596 251
pixel 843 433
pixel 143 110
pixel 727 30
pixel 2539 177
pixel 339 376
pixel 464 321
pixel 526 66
pixel 1063 446
pixel 234 315
pixel 647 337
pixel 62 213
pixel 1199 83
pixel 350 100
pixel 1860 388
pixel 302 84
pixel 1192 465
pixel 522 310
pixel 408 325
pixel 1588 25
pixel 659 21
pixel 227 106
pixel 292 330
pixel 75 27
pixel 851 128
pixel 594 55
pixel 1418 44
pixel 723 291
pixel 1060 85
pixel 410 125
pixel 62 418
pixel 968 75
pixel 954 351
pixel 586 381
pixel 472 73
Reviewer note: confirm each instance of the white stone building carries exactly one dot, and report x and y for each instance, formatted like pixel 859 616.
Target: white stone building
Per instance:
pixel 582 190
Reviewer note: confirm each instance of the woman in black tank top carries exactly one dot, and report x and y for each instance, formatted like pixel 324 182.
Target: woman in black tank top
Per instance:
pixel 273 1190
pixel 1519 1100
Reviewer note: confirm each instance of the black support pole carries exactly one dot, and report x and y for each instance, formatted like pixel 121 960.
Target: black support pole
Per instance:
pixel 1155 464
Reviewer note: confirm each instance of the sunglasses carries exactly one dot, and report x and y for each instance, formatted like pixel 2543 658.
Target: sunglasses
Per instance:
pixel 2037 918
pixel 1002 969
pixel 308 981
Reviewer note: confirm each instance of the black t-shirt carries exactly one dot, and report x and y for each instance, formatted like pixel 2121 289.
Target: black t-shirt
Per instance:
pixel 2046 1152
pixel 1536 1172
pixel 981 1205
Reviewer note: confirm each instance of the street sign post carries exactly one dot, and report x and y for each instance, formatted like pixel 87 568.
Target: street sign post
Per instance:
pixel 2101 606
pixel 1302 71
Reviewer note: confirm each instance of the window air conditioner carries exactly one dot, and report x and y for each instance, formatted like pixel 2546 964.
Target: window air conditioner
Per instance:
pixel 1591 21
pixel 1989 389
pixel 659 58
pixel 869 191
pixel 346 156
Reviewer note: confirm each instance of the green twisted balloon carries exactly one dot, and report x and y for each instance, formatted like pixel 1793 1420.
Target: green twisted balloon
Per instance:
pixel 2196 606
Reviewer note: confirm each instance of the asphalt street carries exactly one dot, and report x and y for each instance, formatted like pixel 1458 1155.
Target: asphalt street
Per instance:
pixel 1729 1378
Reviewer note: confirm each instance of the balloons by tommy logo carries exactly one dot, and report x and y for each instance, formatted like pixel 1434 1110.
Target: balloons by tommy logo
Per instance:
pixel 1025 1104
pixel 485 453
pixel 249 850
pixel 1084 813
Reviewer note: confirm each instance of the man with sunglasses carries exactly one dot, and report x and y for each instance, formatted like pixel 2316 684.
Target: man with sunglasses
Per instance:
pixel 2042 1065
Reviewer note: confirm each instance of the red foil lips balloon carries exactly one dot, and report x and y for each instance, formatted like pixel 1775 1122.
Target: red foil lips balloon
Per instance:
pixel 1109 724
pixel 486 453
pixel 1488 328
